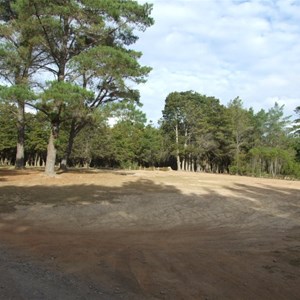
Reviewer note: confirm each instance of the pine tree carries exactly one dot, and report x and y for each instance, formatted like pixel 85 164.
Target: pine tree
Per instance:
pixel 87 45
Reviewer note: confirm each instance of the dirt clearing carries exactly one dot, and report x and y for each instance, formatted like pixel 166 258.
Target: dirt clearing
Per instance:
pixel 148 235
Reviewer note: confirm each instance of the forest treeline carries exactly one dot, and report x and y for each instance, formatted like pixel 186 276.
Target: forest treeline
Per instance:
pixel 72 64
pixel 204 135
pixel 196 133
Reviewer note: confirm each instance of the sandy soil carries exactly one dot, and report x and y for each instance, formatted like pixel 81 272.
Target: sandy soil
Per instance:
pixel 148 235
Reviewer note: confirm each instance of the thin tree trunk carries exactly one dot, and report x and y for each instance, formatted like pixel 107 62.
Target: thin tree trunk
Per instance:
pixel 237 157
pixel 260 166
pixel 21 135
pixel 177 150
pixel 183 164
pixel 36 160
pixel 271 168
pixel 276 167
pixel 186 161
pixel 51 156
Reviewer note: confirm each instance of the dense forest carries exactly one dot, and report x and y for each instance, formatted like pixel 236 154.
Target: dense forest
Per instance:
pixel 70 63
pixel 196 133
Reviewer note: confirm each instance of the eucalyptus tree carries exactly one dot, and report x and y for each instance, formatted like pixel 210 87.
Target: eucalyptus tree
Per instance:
pixel 88 44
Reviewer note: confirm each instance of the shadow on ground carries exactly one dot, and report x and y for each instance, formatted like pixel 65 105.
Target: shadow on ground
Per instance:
pixel 144 240
pixel 143 197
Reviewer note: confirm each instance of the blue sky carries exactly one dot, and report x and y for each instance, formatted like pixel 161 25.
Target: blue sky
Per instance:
pixel 223 48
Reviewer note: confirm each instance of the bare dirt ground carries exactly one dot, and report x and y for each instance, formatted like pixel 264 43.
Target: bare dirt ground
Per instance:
pixel 148 235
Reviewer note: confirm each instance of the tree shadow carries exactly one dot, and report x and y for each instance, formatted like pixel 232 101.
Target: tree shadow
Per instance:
pixel 283 202
pixel 79 194
pixel 5 173
pixel 144 200
pixel 8 172
pixel 246 205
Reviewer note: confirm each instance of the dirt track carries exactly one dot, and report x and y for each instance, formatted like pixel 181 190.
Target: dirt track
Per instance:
pixel 148 235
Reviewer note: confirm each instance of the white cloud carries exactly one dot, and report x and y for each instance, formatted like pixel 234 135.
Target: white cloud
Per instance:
pixel 223 48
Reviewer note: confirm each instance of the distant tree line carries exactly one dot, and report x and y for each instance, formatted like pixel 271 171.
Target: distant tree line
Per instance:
pixel 203 135
pixel 195 134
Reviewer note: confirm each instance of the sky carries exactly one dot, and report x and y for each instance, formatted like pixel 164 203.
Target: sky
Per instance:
pixel 225 49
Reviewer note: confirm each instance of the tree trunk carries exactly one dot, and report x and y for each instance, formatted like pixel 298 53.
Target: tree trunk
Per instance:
pixel 183 164
pixel 51 156
pixel 237 157
pixel 260 166
pixel 193 166
pixel 65 161
pixel 271 170
pixel 276 166
pixel 36 160
pixel 21 135
pixel 177 150
pixel 186 162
